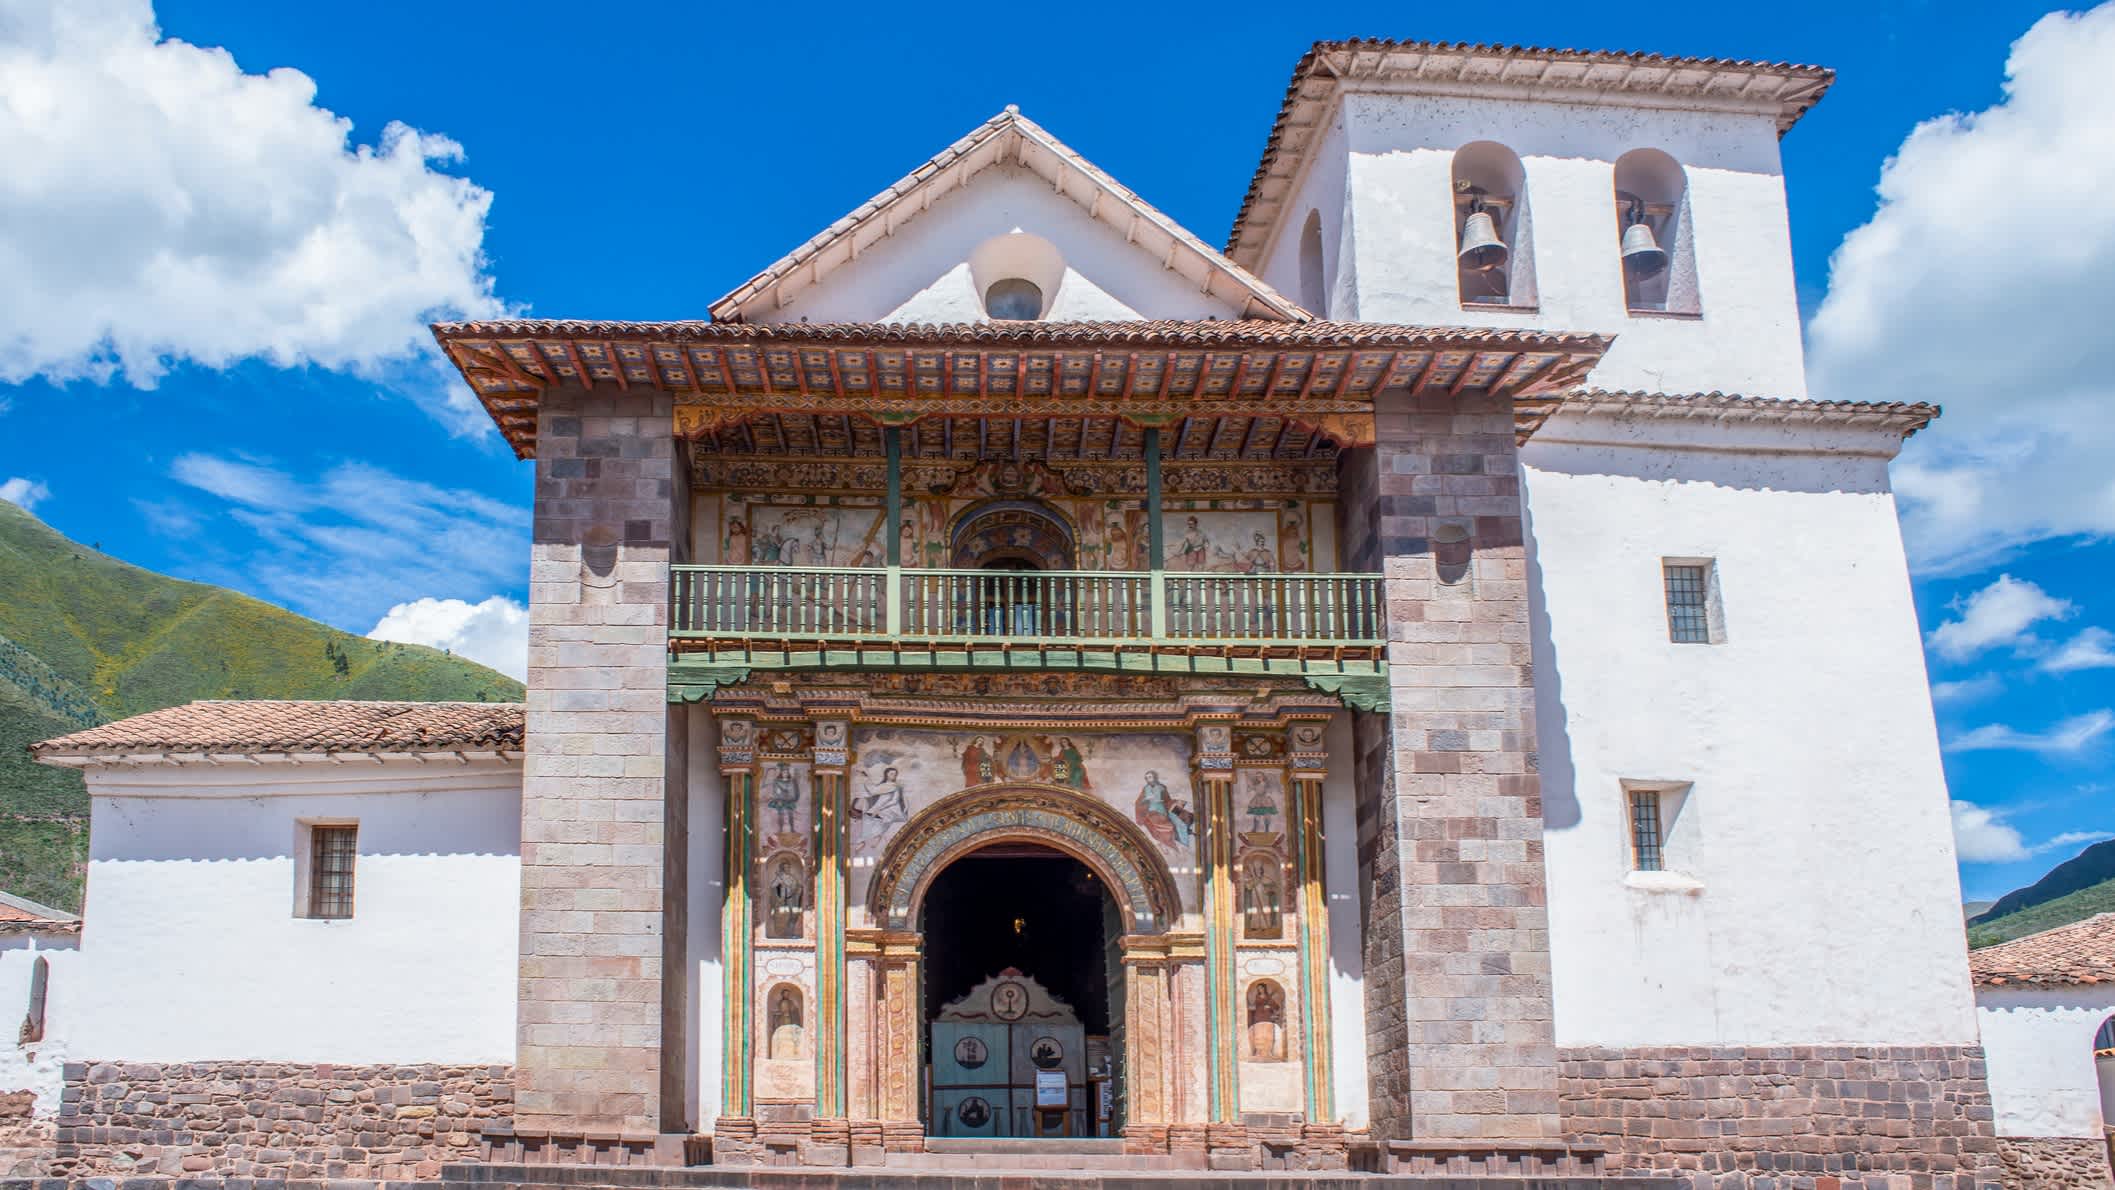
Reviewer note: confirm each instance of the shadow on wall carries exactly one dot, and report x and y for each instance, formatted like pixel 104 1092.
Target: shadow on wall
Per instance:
pixel 229 829
pixel 1841 472
pixel 1553 741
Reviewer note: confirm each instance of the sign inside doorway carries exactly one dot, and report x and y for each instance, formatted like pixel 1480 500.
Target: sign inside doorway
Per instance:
pixel 1050 1088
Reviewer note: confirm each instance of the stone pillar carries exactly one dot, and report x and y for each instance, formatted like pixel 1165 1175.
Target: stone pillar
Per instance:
pixel 1215 789
pixel 594 842
pixel 888 966
pixel 832 842
pixel 738 1034
pixel 1309 765
pixel 1460 1029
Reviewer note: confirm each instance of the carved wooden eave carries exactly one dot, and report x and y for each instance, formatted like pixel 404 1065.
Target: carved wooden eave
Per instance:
pixel 1323 374
pixel 1781 90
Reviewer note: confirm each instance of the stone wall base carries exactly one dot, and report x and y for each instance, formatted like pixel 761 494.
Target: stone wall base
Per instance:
pixel 2054 1162
pixel 277 1120
pixel 1731 1117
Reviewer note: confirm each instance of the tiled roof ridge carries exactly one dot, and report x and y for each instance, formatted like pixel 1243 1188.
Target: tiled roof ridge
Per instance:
pixel 1905 417
pixel 1009 122
pixel 1716 397
pixel 2075 953
pixel 1806 84
pixel 1137 332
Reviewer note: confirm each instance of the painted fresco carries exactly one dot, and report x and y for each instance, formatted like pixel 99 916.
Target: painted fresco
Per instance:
pixel 761 534
pixel 1267 540
pixel 785 817
pixel 897 772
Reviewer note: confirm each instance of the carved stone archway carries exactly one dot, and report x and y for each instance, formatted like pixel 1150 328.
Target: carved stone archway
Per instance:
pixel 1163 971
pixel 1087 829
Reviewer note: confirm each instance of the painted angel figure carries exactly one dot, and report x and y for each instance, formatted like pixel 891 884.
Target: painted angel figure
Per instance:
pixel 881 808
pixel 1068 766
pixel 1262 809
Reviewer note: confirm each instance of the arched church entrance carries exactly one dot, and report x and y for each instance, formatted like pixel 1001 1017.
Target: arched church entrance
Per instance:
pixel 1040 914
pixel 1023 998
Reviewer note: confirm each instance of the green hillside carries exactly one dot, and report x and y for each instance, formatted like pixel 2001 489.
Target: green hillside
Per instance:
pixel 2047 915
pixel 85 638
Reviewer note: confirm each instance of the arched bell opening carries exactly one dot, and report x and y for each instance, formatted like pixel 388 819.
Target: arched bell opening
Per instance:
pixel 1494 254
pixel 1654 241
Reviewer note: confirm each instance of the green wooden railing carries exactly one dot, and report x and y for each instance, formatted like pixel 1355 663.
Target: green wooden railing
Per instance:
pixel 1102 607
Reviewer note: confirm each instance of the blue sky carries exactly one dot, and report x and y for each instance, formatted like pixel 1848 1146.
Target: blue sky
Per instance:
pixel 217 371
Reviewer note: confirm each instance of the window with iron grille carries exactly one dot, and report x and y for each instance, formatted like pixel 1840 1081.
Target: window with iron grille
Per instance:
pixel 1645 830
pixel 332 850
pixel 1688 602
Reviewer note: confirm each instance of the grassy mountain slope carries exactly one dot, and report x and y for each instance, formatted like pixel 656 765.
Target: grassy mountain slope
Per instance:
pixel 85 638
pixel 2073 890
pixel 2046 915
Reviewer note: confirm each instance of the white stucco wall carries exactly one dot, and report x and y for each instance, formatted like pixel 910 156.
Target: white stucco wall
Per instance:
pixel 2039 1046
pixel 39 1066
pixel 920 273
pixel 191 950
pixel 1816 900
pixel 1320 190
pixel 1347 954
pixel 708 895
pixel 1393 162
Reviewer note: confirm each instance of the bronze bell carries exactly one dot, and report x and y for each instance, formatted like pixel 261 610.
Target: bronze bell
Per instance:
pixel 1643 258
pixel 1481 249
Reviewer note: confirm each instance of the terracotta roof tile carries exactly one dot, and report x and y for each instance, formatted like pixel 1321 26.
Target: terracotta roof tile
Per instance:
pixel 1785 88
pixel 20 915
pixel 2080 953
pixel 1907 417
pixel 266 725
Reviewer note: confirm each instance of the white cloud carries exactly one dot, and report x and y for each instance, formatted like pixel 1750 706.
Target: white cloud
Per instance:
pixel 2071 839
pixel 358 540
pixel 1966 690
pixel 2069 735
pixel 1998 615
pixel 1981 837
pixel 1984 282
pixel 2092 648
pixel 26 492
pixel 161 205
pixel 494 633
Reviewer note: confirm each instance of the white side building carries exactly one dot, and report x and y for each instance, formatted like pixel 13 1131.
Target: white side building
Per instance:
pixel 2046 1004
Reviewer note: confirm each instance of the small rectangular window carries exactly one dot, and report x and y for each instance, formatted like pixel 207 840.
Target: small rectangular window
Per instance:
pixel 1645 834
pixel 1688 602
pixel 332 850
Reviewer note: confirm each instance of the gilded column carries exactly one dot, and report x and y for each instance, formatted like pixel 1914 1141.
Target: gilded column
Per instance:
pixel 1215 787
pixel 832 840
pixel 1309 765
pixel 738 767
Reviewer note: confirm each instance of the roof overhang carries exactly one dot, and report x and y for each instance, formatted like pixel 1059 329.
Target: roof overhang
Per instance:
pixel 1007 139
pixel 1894 420
pixel 1781 90
pixel 719 373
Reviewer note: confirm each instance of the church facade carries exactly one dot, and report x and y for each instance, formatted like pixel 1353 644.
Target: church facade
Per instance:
pixel 1370 697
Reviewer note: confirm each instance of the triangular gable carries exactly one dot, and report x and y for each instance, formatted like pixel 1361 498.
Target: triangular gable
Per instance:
pixel 1008 138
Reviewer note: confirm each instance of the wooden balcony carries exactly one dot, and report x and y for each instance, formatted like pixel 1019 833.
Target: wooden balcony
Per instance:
pixel 895 617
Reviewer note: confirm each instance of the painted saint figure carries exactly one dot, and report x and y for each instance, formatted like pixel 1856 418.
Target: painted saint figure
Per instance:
pixel 1262 810
pixel 1194 552
pixel 1165 817
pixel 1068 767
pixel 1266 1022
pixel 789 897
pixel 1262 908
pixel 783 798
pixel 785 1024
pixel 976 763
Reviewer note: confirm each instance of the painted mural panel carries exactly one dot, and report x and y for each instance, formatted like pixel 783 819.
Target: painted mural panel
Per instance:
pixel 897 772
pixel 758 531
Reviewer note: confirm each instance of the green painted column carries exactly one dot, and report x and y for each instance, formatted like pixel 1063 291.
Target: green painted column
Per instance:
pixel 1156 554
pixel 892 528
